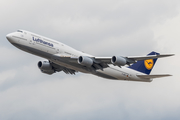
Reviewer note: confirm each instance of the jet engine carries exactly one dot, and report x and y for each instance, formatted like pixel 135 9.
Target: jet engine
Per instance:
pixel 86 61
pixel 118 60
pixel 46 67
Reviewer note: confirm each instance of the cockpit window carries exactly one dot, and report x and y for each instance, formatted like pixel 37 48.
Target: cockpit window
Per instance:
pixel 19 31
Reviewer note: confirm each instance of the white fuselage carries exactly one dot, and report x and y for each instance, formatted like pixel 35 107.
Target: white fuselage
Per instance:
pixel 46 48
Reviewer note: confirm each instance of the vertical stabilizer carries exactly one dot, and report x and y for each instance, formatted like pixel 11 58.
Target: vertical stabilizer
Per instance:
pixel 145 66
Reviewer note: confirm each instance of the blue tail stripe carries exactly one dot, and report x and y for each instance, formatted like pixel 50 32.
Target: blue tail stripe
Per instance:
pixel 139 66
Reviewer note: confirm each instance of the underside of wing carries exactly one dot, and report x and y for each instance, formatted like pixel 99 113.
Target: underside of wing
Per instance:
pixel 106 60
pixel 92 63
pixel 153 76
pixel 137 58
pixel 96 63
pixel 59 68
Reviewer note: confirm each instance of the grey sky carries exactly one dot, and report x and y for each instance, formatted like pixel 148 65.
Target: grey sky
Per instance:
pixel 101 28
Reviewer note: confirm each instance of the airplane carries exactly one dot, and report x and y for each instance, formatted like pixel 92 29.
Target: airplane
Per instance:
pixel 61 57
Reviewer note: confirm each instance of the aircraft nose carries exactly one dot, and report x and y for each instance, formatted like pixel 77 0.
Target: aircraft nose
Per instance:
pixel 9 37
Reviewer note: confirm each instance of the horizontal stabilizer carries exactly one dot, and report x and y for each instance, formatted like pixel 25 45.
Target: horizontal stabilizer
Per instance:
pixel 153 76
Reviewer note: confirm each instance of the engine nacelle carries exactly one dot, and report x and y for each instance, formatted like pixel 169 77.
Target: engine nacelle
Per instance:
pixel 118 60
pixel 46 67
pixel 86 61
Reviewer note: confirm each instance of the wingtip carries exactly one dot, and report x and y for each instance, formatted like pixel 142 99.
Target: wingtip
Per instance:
pixel 167 55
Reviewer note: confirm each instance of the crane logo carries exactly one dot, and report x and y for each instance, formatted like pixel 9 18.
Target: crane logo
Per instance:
pixel 148 64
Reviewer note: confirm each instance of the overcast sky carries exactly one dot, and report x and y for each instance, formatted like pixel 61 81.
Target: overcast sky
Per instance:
pixel 97 27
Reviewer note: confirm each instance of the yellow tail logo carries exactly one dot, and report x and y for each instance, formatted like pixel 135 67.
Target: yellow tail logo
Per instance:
pixel 149 64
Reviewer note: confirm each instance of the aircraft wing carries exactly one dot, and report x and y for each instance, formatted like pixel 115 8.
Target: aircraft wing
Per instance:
pixel 59 68
pixel 102 62
pixel 133 58
pixel 137 58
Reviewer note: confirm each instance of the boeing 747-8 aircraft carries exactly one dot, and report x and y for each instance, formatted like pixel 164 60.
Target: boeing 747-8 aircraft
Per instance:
pixel 61 57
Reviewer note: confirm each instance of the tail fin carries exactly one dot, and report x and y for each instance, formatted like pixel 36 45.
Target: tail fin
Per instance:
pixel 145 66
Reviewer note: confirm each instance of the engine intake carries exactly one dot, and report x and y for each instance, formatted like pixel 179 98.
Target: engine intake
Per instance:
pixel 118 60
pixel 46 67
pixel 86 61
